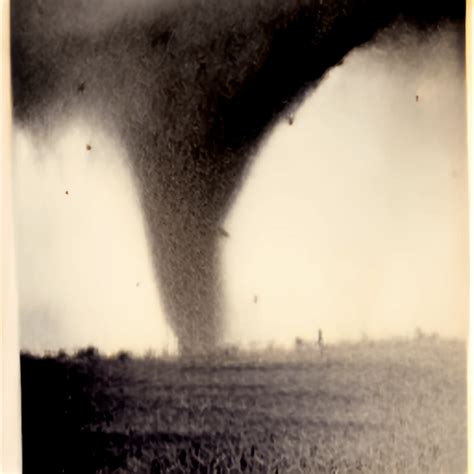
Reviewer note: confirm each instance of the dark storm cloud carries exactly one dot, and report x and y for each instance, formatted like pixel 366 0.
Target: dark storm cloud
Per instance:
pixel 191 87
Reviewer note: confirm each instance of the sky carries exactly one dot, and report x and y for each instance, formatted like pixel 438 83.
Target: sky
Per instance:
pixel 353 219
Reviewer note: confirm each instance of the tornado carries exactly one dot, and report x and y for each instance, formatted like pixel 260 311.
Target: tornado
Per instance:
pixel 192 88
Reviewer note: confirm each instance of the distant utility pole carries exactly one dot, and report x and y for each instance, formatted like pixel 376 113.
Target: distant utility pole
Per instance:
pixel 320 340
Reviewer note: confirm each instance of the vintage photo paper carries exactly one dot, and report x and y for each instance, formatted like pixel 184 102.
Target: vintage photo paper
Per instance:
pixel 240 235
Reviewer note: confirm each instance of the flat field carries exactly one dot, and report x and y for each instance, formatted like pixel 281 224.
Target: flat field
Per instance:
pixel 376 407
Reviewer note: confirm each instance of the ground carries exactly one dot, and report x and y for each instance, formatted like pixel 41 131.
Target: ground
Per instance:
pixel 387 406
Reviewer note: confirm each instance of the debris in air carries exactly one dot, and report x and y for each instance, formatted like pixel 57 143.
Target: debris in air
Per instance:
pixel 81 87
pixel 223 232
pixel 88 147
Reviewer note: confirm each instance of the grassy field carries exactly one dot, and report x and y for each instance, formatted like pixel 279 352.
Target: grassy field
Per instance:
pixel 393 406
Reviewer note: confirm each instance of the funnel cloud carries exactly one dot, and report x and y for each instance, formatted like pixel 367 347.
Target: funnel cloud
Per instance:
pixel 189 92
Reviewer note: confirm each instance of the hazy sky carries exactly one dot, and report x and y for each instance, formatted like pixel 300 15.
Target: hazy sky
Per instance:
pixel 353 219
